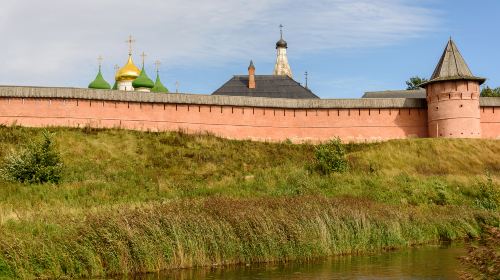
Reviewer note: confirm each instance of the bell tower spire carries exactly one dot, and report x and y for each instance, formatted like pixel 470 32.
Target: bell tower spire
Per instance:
pixel 282 68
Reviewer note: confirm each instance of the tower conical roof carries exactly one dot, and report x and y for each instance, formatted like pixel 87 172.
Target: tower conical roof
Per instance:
pixel 143 81
pixel 159 87
pixel 452 66
pixel 99 82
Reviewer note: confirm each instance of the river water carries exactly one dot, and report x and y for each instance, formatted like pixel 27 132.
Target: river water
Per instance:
pixel 429 262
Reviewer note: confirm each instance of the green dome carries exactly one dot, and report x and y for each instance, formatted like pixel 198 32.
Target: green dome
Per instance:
pixel 99 82
pixel 115 86
pixel 159 87
pixel 143 81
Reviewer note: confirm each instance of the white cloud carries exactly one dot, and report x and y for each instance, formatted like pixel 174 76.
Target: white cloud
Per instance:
pixel 55 42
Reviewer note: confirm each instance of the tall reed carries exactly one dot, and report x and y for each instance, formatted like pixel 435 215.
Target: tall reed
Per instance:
pixel 221 231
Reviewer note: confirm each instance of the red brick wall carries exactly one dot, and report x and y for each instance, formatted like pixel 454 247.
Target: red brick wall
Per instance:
pixel 233 122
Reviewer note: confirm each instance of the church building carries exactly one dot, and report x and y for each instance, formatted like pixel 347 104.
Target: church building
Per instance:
pixel 279 85
pixel 130 77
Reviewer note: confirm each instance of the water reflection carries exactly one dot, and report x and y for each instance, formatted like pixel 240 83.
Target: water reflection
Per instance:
pixel 430 262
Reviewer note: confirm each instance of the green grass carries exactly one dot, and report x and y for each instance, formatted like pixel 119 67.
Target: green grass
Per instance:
pixel 138 201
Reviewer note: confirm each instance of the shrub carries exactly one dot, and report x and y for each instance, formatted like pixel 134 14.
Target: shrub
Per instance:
pixel 331 157
pixel 488 197
pixel 37 163
pixel 442 197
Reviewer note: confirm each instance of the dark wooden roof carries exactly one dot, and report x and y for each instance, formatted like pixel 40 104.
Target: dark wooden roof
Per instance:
pixel 418 93
pixel 266 86
pixel 452 66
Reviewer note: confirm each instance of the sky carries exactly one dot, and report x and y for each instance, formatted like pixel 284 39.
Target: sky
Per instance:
pixel 348 47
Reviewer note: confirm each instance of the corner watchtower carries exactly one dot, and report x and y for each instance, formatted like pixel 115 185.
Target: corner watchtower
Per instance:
pixel 453 97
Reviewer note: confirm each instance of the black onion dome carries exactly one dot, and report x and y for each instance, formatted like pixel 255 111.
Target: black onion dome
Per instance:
pixel 281 44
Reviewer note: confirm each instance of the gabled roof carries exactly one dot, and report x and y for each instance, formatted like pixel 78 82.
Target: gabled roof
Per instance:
pixel 266 86
pixel 452 66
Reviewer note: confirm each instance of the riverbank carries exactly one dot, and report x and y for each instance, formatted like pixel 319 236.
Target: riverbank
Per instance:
pixel 441 261
pixel 133 202
pixel 182 234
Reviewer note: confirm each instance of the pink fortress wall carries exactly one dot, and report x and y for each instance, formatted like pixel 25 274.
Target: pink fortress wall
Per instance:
pixel 235 122
pixel 490 122
pixel 266 119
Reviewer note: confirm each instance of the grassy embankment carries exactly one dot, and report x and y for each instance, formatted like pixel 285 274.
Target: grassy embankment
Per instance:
pixel 138 202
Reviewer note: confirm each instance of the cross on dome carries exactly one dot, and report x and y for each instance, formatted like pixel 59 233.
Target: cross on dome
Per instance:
pixel 143 55
pixel 130 41
pixel 281 43
pixel 157 64
pixel 99 60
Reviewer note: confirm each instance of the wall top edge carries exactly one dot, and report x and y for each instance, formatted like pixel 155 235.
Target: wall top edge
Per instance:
pixel 218 100
pixel 489 101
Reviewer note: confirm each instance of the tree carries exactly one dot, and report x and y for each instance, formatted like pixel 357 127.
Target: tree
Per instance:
pixel 415 82
pixel 489 92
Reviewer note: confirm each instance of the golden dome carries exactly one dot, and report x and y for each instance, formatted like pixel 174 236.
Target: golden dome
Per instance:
pixel 129 72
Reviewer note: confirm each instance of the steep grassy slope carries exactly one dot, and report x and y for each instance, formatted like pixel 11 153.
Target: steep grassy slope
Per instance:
pixel 135 202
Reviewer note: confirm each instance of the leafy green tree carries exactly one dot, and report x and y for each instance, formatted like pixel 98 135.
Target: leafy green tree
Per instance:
pixel 489 92
pixel 415 82
pixel 37 163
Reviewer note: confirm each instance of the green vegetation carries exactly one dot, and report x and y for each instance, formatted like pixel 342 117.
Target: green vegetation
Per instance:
pixel 489 92
pixel 37 163
pixel 415 82
pixel 331 157
pixel 483 260
pixel 139 201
